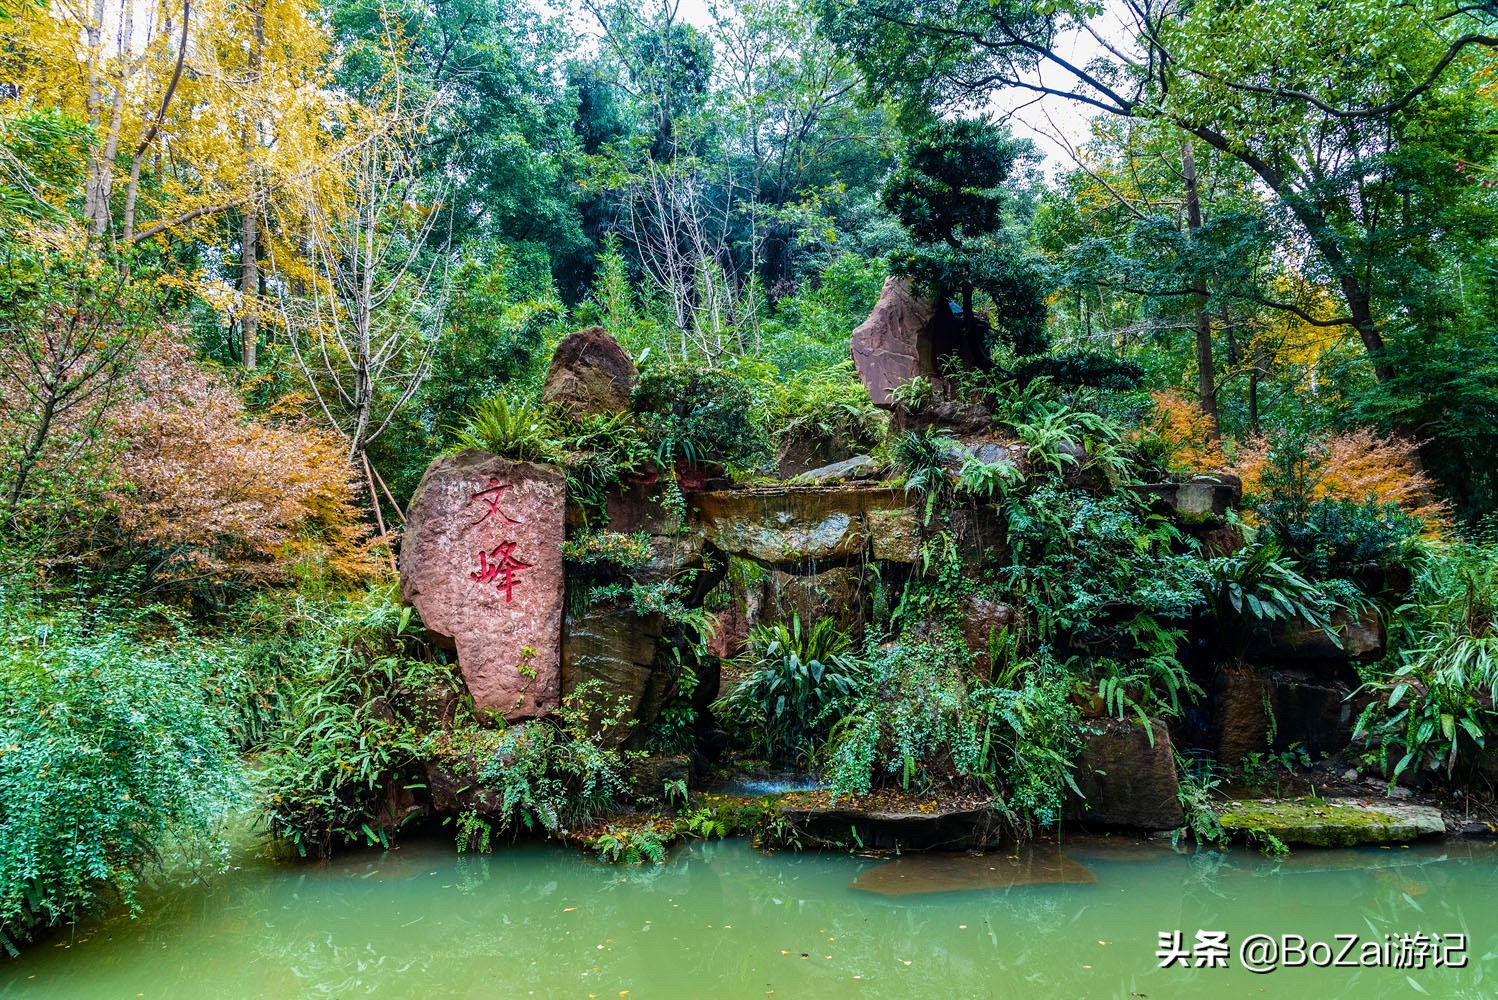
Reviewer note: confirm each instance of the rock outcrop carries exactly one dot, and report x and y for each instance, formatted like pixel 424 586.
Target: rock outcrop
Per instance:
pixel 983 618
pixel 1361 637
pixel 589 373
pixel 893 346
pixel 481 561
pixel 1126 778
pixel 797 527
pixel 1198 499
pixel 613 650
pixel 842 593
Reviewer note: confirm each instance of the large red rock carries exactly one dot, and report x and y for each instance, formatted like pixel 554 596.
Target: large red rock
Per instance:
pixel 909 336
pixel 892 345
pixel 589 373
pixel 481 560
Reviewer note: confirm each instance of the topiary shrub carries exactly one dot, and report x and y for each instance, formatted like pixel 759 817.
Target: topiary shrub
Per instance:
pixel 698 416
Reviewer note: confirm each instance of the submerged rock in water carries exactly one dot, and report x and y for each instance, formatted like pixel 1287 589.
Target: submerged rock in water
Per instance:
pixel 1035 864
pixel 481 560
pixel 1331 822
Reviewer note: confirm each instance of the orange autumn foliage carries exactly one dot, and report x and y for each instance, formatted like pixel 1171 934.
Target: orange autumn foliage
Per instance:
pixel 1359 465
pixel 1186 434
pixel 220 496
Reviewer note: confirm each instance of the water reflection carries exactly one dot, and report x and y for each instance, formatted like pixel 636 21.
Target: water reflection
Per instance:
pixel 723 921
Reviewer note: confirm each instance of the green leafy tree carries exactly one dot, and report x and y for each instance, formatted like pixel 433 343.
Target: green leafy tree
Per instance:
pixel 1378 89
pixel 950 195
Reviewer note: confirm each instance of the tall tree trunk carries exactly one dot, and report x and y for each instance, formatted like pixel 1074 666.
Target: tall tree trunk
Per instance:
pixel 1254 370
pixel 249 284
pixel 249 234
pixel 1206 369
pixel 100 183
pixel 132 189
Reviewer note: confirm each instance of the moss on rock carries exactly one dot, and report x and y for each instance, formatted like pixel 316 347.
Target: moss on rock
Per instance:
pixel 1331 822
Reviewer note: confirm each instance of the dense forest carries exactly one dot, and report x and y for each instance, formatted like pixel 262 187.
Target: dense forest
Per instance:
pixel 262 260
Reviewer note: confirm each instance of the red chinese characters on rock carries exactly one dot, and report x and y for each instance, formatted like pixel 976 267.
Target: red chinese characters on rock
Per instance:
pixel 499 567
pixel 481 560
pixel 490 496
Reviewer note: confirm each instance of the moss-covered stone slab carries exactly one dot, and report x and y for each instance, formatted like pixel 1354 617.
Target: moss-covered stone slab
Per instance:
pixel 893 821
pixel 1331 822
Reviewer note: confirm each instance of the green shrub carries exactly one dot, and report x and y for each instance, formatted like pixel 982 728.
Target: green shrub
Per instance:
pixel 553 773
pixel 1092 566
pixel 1258 586
pixel 825 408
pixel 630 846
pixel 110 748
pixel 364 707
pixel 801 680
pixel 924 724
pixel 1440 699
pixel 513 428
pixel 596 452
pixel 699 416
pixel 1332 536
pixel 920 457
pixel 373 712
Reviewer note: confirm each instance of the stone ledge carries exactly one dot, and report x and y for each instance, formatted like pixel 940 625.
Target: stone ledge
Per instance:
pixel 1331 822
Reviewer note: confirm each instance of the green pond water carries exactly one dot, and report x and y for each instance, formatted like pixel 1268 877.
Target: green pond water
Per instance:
pixel 722 921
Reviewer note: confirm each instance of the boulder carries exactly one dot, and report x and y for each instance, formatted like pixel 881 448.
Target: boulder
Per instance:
pixel 894 534
pixel 1242 719
pixel 1331 822
pixel 647 777
pixel 1126 780
pixel 456 785
pixel 1362 638
pixel 892 346
pixel 985 446
pixel 676 547
pixel 613 650
pixel 908 336
pixel 728 630
pixel 1314 711
pixel 949 415
pixel 799 456
pixel 857 467
pixel 481 561
pixel 859 821
pixel 980 531
pixel 983 617
pixel 840 593
pixel 589 373
pixel 1197 500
